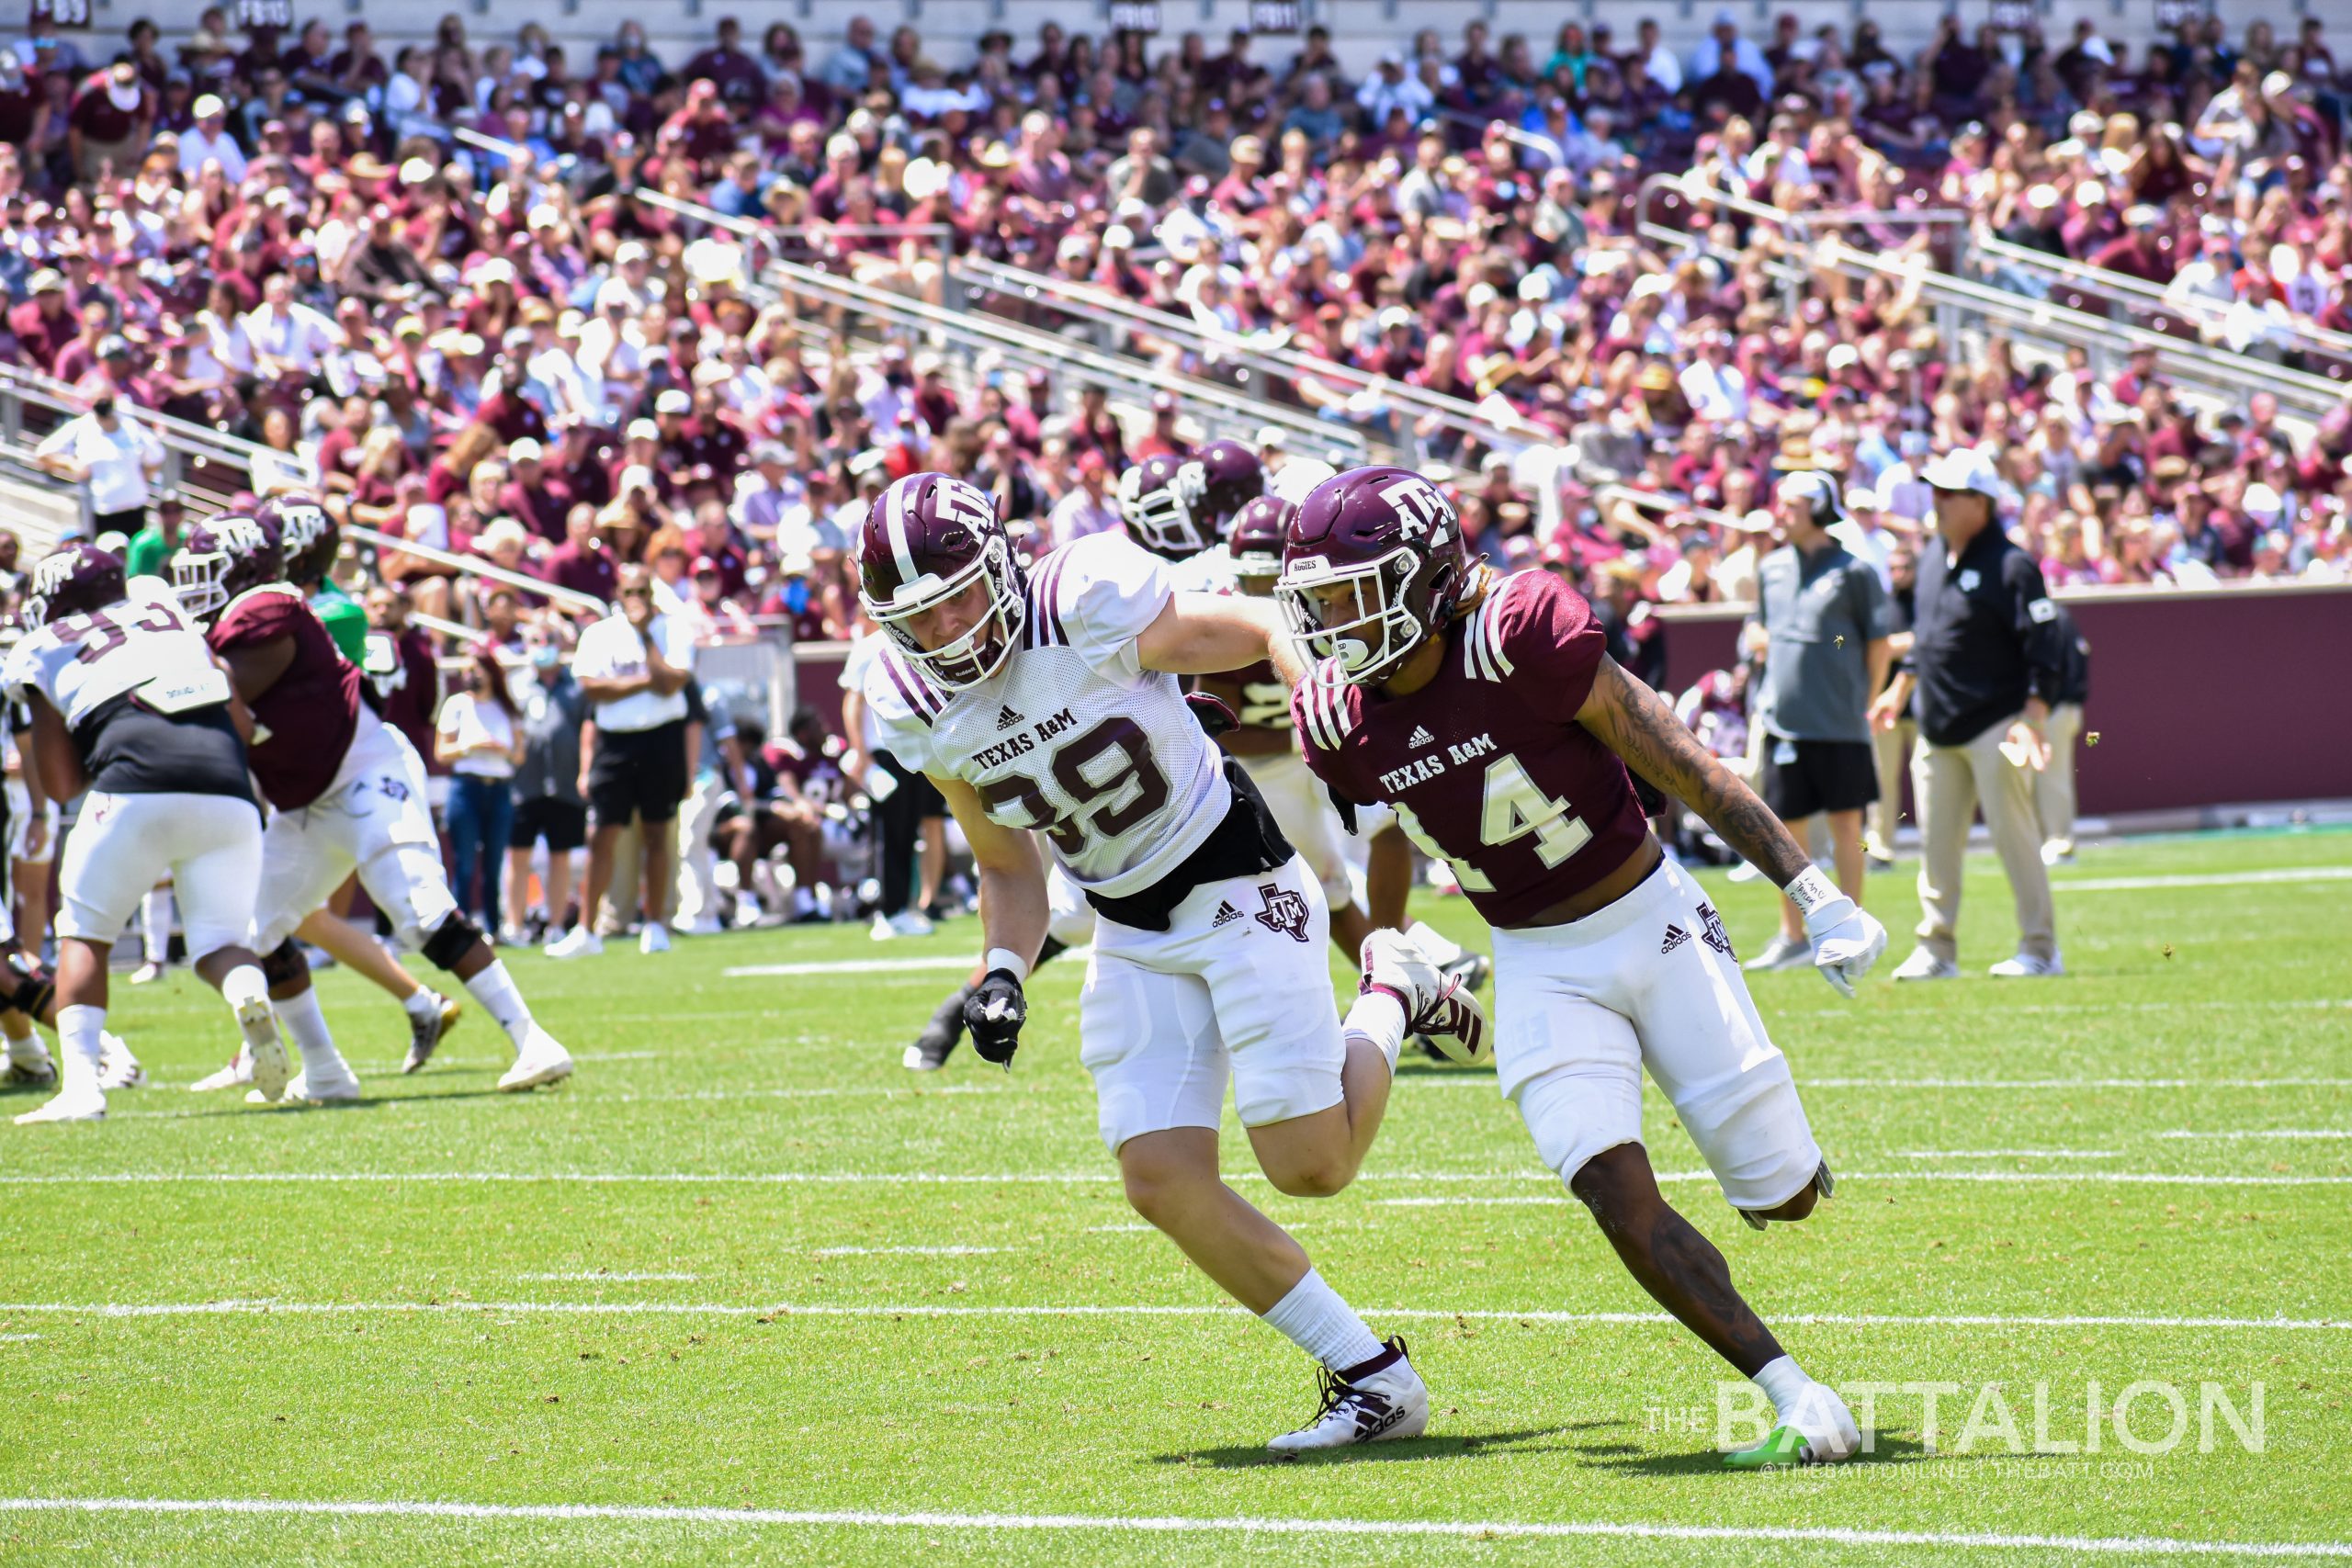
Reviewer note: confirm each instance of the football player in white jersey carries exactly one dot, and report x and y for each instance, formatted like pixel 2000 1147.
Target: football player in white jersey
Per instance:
pixel 129 705
pixel 1049 704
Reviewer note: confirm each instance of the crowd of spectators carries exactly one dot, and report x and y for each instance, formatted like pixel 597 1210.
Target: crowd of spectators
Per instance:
pixel 440 278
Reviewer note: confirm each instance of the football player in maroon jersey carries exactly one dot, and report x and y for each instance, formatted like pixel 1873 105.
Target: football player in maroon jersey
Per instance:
pixel 317 743
pixel 1487 712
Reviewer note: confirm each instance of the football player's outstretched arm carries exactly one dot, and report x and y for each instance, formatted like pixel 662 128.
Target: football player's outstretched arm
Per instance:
pixel 1634 722
pixel 1206 633
pixel 55 764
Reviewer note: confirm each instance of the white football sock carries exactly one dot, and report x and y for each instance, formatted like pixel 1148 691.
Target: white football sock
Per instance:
pixel 1314 1318
pixel 155 923
pixel 301 1018
pixel 494 990
pixel 1378 1018
pixel 422 1004
pixel 1782 1380
pixel 1441 948
pixel 78 1031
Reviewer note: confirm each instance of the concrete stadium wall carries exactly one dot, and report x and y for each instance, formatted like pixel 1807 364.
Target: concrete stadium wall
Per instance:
pixel 2199 698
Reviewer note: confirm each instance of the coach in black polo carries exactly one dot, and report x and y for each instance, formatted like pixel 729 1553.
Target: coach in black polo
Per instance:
pixel 1987 665
pixel 1822 618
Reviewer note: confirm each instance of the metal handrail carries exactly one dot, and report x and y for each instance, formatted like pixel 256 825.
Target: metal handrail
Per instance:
pixel 1279 363
pixel 475 565
pixel 177 434
pixel 1050 350
pixel 2123 285
pixel 2233 372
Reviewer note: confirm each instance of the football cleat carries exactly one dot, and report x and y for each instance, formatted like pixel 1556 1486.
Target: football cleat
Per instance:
pixel 305 1090
pixel 34 1070
pixel 86 1106
pixel 263 1050
pixel 2028 966
pixel 541 1061
pixel 1381 1400
pixel 424 1034
pixel 1782 953
pixel 940 1037
pixel 117 1068
pixel 577 942
pixel 147 973
pixel 1437 1004
pixel 236 1075
pixel 653 938
pixel 1817 1429
pixel 1925 966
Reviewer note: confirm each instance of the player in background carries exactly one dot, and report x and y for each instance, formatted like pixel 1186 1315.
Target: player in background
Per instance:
pixel 128 705
pixel 1049 704
pixel 1485 710
pixel 348 791
pixel 307 539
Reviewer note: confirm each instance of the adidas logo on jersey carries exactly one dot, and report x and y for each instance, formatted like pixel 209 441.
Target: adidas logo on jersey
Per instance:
pixel 1225 915
pixel 1675 937
pixel 1420 736
pixel 1007 720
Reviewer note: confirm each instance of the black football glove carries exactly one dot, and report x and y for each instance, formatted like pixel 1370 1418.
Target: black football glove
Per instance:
pixel 994 1013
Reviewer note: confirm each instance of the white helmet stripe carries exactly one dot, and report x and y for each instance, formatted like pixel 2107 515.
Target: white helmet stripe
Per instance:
pixel 894 522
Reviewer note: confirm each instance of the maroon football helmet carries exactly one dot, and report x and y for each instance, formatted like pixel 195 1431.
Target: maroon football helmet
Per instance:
pixel 1178 507
pixel 1254 539
pixel 926 540
pixel 306 534
pixel 221 558
pixel 72 580
pixel 1373 565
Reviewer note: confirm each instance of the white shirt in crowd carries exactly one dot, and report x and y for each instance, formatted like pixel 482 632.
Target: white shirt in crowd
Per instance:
pixel 292 335
pixel 121 461
pixel 1076 515
pixel 197 150
pixel 612 650
pixel 480 734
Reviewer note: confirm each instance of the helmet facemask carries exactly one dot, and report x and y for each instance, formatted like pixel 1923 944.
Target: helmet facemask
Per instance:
pixel 980 653
pixel 1358 615
pixel 200 577
pixel 1162 519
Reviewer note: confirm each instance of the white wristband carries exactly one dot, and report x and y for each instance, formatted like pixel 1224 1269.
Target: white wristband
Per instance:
pixel 1810 890
pixel 1004 958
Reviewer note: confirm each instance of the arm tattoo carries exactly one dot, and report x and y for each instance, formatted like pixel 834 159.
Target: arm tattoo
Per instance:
pixel 1633 722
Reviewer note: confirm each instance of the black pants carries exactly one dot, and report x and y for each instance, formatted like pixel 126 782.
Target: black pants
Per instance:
pixel 899 821
pixel 128 520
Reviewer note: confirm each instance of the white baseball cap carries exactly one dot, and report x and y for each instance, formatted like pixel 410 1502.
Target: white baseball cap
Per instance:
pixel 1964 469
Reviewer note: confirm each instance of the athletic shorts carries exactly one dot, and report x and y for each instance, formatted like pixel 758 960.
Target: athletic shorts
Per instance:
pixel 1237 988
pixel 640 772
pixel 1650 981
pixel 1804 778
pixel 209 845
pixel 560 822
pixel 372 819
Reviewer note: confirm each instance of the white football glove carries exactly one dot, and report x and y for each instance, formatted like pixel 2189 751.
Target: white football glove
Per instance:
pixel 1845 939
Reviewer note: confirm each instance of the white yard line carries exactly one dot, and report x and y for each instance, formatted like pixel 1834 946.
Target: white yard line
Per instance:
pixel 733 1519
pixel 1086 1178
pixel 2327 1133
pixel 2213 879
pixel 851 966
pixel 2030 1084
pixel 18 1338
pixel 906 1251
pixel 598 1277
pixel 2006 1154
pixel 263 1307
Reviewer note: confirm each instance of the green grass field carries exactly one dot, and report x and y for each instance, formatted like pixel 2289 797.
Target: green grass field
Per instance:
pixel 747 1271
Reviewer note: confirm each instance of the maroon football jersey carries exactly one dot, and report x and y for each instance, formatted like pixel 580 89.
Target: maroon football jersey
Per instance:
pixel 304 723
pixel 1486 765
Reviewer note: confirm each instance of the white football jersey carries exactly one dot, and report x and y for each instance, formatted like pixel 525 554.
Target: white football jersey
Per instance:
pixel 83 663
pixel 1072 736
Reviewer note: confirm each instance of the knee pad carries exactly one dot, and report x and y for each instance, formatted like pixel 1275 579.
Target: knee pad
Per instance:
pixel 451 941
pixel 30 988
pixel 284 964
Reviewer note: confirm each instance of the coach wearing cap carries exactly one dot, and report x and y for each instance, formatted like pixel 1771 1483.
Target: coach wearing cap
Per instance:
pixel 1822 618
pixel 1986 665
